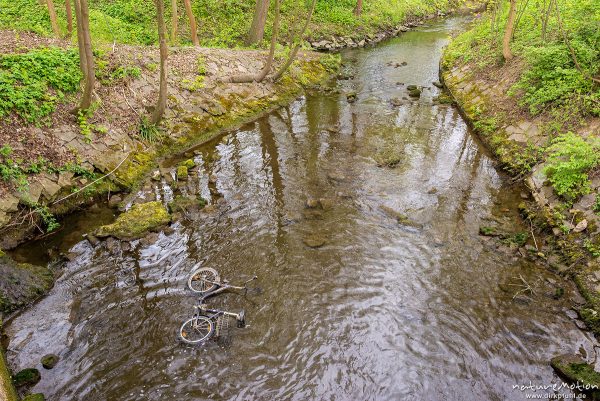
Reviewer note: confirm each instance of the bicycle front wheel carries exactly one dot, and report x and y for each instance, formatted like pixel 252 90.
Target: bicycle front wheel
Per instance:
pixel 204 280
pixel 196 330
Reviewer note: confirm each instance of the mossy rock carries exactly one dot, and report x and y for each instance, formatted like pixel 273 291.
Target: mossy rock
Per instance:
pixel 575 369
pixel 411 87
pixel 488 231
pixel 27 377
pixel 182 173
pixel 189 163
pixel 186 204
pixel 137 222
pixel 49 361
pixel 35 397
pixel 21 283
pixel 414 93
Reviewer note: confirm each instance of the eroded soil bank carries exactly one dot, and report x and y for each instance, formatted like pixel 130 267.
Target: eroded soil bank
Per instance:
pixel 360 211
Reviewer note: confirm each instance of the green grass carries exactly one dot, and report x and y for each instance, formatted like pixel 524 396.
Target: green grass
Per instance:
pixel 221 23
pixel 31 84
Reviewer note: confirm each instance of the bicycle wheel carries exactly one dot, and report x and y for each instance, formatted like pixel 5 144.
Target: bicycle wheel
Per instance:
pixel 196 330
pixel 204 280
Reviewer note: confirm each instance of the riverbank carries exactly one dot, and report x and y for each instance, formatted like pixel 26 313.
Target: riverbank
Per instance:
pixel 564 231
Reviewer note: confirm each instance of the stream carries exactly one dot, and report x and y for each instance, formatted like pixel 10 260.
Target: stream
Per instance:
pixel 424 309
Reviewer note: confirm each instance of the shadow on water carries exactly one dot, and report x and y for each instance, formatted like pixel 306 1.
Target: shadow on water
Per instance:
pixel 383 310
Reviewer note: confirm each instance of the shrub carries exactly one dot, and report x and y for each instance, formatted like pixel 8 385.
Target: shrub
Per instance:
pixel 571 159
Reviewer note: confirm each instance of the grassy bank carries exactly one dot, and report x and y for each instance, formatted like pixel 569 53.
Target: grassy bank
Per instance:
pixel 220 25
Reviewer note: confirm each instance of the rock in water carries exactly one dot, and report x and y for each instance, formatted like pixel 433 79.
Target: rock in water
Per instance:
pixel 136 222
pixel 314 241
pixel 34 397
pixel 414 93
pixel 49 361
pixel 27 377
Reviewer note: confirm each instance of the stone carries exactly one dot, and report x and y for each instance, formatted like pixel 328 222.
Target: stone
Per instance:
pixel 326 203
pixel 136 222
pixel 312 203
pixel 49 187
pixel 396 102
pixel 438 84
pixel 64 178
pixel 4 218
pixel 314 241
pixel 182 173
pixel 155 175
pixel 49 361
pixel 27 377
pixel 411 87
pixel 581 226
pixel 33 193
pixel 189 163
pixel 9 203
pixel 114 201
pixel 351 97
pixel 414 93
pixel 92 239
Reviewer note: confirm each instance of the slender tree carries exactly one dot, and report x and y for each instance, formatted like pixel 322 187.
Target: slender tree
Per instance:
pixel 69 18
pixel 193 28
pixel 296 48
pixel 53 20
pixel 269 63
pixel 257 30
pixel 359 8
pixel 86 56
pixel 174 21
pixel 161 104
pixel 508 32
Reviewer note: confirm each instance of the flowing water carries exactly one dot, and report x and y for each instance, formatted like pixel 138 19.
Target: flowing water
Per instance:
pixel 419 310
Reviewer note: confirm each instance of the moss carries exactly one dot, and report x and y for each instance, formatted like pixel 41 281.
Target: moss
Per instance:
pixel 135 168
pixel 185 203
pixel 189 163
pixel 575 369
pixel 49 361
pixel 137 222
pixel 27 377
pixel 21 283
pixel 2 253
pixel 35 397
pixel 182 173
pixel 6 385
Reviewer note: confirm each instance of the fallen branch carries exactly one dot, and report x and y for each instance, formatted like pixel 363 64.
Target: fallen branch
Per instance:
pixel 93 182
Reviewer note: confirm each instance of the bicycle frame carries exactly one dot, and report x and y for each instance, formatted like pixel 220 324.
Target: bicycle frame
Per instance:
pixel 222 287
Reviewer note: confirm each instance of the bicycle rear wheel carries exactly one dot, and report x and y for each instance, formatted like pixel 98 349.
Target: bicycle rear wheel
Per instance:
pixel 204 280
pixel 196 330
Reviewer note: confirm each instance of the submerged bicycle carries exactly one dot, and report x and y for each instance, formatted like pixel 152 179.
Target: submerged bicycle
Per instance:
pixel 207 323
pixel 206 282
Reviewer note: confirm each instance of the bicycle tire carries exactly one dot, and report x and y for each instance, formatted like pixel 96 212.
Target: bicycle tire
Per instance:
pixel 204 280
pixel 196 330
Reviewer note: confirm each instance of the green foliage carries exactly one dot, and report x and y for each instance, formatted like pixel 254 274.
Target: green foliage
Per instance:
pixel 84 126
pixel 149 132
pixel 31 84
pixel 47 218
pixel 571 159
pixel 593 249
pixel 596 206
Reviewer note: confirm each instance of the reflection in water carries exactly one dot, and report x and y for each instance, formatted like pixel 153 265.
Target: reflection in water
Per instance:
pixel 381 311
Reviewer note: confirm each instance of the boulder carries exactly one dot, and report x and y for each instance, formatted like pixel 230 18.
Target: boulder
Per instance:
pixel 27 377
pixel 21 283
pixel 136 222
pixel 182 173
pixel 49 361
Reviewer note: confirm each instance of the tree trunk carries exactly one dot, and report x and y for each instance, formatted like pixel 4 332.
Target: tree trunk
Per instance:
pixel 508 33
pixel 69 18
pixel 53 20
pixel 86 100
pixel 193 28
pixel 161 104
pixel 80 47
pixel 294 52
pixel 174 21
pixel 358 8
pixel 257 30
pixel 267 67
